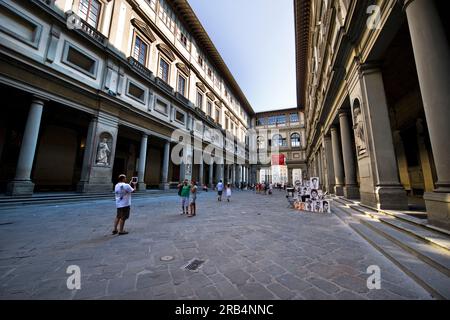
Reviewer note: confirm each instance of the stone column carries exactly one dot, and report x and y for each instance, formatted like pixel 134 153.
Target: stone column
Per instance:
pixel 200 171
pixel 351 190
pixel 142 163
pixel 211 173
pixel 432 56
pixel 22 185
pixel 386 189
pixel 329 165
pixel 401 160
pixel 424 157
pixel 337 162
pixel 164 185
pixel 233 174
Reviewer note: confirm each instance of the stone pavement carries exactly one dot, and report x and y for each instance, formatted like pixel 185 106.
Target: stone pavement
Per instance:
pixel 254 248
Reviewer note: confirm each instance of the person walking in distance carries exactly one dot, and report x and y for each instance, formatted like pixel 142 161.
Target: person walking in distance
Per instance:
pixel 184 191
pixel 219 190
pixel 122 192
pixel 228 192
pixel 193 199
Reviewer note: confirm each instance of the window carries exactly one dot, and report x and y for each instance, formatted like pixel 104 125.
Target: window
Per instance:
pixel 199 100
pixel 293 117
pixel 295 140
pixel 217 115
pixel 179 116
pixel 140 50
pixel 152 4
pixel 164 70
pixel 279 141
pixel 209 72
pixel 181 84
pixel 200 61
pixel 78 60
pixel 167 16
pixel 136 92
pixel 281 119
pixel 272 121
pixel 89 11
pixel 260 121
pixel 183 39
pixel 226 123
pixel 161 107
pixel 209 108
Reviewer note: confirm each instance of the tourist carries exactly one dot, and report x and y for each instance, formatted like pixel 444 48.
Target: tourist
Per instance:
pixel 219 190
pixel 228 192
pixel 193 199
pixel 122 192
pixel 184 191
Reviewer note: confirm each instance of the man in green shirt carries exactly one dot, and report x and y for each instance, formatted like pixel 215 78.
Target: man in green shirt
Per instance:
pixel 184 194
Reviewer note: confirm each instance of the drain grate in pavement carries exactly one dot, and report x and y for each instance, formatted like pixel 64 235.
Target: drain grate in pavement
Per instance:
pixel 194 264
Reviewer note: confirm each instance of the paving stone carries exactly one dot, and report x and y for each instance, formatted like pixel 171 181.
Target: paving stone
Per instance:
pixel 280 291
pixel 352 283
pixel 324 285
pixel 315 294
pixel 237 277
pixel 255 291
pixel 292 282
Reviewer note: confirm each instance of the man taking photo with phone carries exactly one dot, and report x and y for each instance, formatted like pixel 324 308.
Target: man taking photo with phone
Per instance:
pixel 122 192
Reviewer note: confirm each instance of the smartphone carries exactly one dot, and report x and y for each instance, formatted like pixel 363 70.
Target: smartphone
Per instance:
pixel 134 180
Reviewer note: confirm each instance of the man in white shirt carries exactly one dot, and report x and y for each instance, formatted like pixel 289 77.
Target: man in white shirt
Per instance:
pixel 219 190
pixel 122 192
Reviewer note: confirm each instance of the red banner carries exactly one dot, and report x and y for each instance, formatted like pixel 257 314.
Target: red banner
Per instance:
pixel 278 159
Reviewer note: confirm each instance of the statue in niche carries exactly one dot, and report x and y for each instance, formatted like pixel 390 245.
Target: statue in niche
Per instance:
pixel 358 126
pixel 103 151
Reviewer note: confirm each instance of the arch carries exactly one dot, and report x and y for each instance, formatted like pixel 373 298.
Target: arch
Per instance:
pixel 164 48
pixel 183 68
pixel 296 140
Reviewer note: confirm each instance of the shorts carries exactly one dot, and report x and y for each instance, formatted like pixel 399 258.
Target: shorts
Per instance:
pixel 184 201
pixel 219 192
pixel 123 213
pixel 193 200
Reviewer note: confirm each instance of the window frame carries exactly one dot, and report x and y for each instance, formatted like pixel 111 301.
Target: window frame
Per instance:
pixel 166 60
pixel 142 39
pixel 199 93
pixel 181 75
pixel 100 7
pixel 298 143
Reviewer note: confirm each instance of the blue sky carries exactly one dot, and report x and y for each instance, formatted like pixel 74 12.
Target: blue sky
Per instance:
pixel 256 40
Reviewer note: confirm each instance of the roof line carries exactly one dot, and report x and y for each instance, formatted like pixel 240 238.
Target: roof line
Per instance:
pixel 191 21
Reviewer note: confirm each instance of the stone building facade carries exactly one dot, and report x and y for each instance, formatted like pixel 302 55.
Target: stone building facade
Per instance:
pixel 285 130
pixel 94 88
pixel 372 79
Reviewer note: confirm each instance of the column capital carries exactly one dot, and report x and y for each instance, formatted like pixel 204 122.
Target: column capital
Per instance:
pixel 343 113
pixel 38 99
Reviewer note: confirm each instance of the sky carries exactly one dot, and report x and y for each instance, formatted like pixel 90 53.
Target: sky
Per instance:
pixel 257 42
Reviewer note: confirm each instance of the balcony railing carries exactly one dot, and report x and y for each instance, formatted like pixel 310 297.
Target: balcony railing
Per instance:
pixel 140 68
pixel 182 98
pixel 164 85
pixel 86 28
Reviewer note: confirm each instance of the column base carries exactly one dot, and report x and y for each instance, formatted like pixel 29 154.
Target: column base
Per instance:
pixel 20 188
pixel 84 187
pixel 351 192
pixel 141 186
pixel 438 208
pixel 164 186
pixel 339 190
pixel 392 198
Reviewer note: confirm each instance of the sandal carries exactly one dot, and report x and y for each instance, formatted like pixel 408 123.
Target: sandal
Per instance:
pixel 115 232
pixel 123 232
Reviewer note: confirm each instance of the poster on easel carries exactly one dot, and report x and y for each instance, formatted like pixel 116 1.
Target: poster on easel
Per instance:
pixel 309 197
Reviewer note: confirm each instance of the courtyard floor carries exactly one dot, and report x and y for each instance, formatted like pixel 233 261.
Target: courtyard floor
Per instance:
pixel 254 248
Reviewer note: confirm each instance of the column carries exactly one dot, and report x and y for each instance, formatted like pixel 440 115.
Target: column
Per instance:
pixel 382 189
pixel 142 163
pixel 337 162
pixel 22 185
pixel 164 185
pixel 200 172
pixel 329 166
pixel 432 56
pixel 211 172
pixel 350 189
pixel 233 174
pixel 87 161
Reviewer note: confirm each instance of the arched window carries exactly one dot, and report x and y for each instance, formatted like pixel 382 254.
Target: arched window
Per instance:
pixel 295 140
pixel 278 140
pixel 260 142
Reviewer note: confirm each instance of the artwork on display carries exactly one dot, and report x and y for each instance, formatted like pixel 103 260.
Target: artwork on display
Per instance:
pixel 309 197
